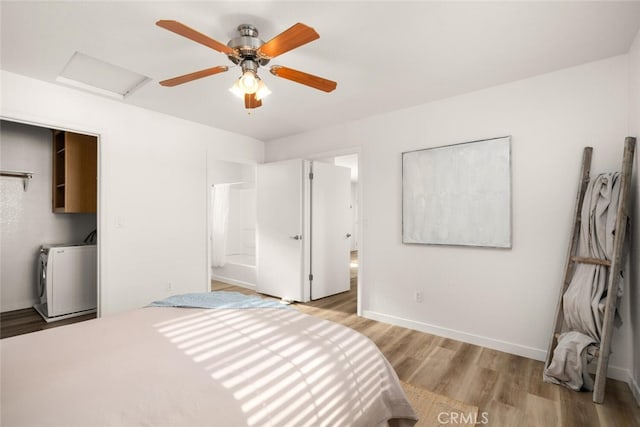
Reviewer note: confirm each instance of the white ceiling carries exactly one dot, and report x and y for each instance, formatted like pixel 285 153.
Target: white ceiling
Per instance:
pixel 384 55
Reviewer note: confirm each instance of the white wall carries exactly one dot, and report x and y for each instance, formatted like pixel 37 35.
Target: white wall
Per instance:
pixel 153 189
pixel 221 172
pixel 503 299
pixel 634 130
pixel 26 217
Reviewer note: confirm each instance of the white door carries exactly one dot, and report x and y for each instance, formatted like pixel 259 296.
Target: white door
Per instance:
pixel 280 230
pixel 330 229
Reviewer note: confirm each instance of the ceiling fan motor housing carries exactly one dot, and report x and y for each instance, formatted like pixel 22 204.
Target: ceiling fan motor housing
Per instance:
pixel 246 45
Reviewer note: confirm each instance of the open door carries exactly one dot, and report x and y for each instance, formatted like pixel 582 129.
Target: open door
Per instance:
pixel 303 225
pixel 330 226
pixel 280 230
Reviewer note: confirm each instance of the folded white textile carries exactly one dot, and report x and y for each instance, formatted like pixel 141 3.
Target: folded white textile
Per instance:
pixel 569 366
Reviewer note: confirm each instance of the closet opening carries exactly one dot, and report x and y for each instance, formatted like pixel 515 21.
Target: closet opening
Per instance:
pixel 49 250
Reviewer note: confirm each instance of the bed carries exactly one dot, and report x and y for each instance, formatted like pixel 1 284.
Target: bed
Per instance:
pixel 177 366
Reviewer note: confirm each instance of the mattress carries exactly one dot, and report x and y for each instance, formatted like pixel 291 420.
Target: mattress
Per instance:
pixel 169 366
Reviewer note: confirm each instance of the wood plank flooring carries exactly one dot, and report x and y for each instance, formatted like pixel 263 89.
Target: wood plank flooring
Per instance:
pixel 28 320
pixel 508 388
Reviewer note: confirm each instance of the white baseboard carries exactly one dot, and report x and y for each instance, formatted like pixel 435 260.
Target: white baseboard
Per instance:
pixel 635 389
pixel 234 282
pixel 614 372
pixel 620 374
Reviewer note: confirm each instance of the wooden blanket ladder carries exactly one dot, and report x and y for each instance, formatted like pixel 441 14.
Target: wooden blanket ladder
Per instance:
pixel 615 264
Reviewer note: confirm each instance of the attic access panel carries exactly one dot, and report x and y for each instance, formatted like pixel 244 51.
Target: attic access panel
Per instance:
pixel 458 194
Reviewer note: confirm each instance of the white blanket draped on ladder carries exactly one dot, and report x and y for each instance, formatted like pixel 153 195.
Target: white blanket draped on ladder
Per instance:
pixel 585 298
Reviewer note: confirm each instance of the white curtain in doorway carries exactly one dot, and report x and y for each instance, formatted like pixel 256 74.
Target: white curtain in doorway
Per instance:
pixel 219 223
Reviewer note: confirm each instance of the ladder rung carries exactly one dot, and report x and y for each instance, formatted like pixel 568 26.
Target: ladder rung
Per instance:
pixel 596 354
pixel 595 261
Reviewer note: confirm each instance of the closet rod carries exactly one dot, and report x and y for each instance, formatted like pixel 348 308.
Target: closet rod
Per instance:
pixel 27 176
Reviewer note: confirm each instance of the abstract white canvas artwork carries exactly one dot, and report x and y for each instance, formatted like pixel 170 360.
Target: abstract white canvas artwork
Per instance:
pixel 458 194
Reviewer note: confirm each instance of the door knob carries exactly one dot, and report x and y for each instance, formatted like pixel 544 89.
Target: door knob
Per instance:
pixel 296 237
pixel 348 235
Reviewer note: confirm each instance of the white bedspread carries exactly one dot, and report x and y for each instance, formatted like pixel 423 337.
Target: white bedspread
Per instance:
pixel 196 367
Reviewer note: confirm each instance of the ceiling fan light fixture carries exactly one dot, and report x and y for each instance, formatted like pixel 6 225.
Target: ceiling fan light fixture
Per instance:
pixel 263 91
pixel 248 82
pixel 235 89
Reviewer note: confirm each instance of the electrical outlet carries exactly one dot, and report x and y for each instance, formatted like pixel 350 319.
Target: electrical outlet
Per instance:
pixel 418 296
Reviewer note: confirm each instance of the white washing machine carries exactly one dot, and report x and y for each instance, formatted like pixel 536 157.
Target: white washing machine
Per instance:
pixel 67 280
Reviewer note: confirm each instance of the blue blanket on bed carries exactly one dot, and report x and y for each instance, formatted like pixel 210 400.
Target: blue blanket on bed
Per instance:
pixel 217 299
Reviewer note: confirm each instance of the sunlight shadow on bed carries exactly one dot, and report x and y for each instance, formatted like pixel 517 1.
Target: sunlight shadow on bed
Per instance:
pixel 285 368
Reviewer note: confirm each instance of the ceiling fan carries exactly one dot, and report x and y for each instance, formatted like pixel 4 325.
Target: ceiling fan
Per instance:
pixel 250 53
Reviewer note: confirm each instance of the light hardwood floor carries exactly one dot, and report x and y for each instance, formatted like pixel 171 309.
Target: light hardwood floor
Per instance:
pixel 508 388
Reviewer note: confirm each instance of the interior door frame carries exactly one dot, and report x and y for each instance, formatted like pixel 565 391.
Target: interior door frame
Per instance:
pixel 210 182
pixel 361 253
pixel 44 123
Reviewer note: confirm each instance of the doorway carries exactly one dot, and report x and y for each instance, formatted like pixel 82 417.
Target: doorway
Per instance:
pixel 34 215
pixel 233 233
pixel 223 172
pixel 232 224
pixel 352 162
pixel 304 229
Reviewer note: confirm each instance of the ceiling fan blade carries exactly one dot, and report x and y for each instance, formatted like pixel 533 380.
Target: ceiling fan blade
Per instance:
pixel 250 101
pixel 303 78
pixel 294 37
pixel 194 76
pixel 196 36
